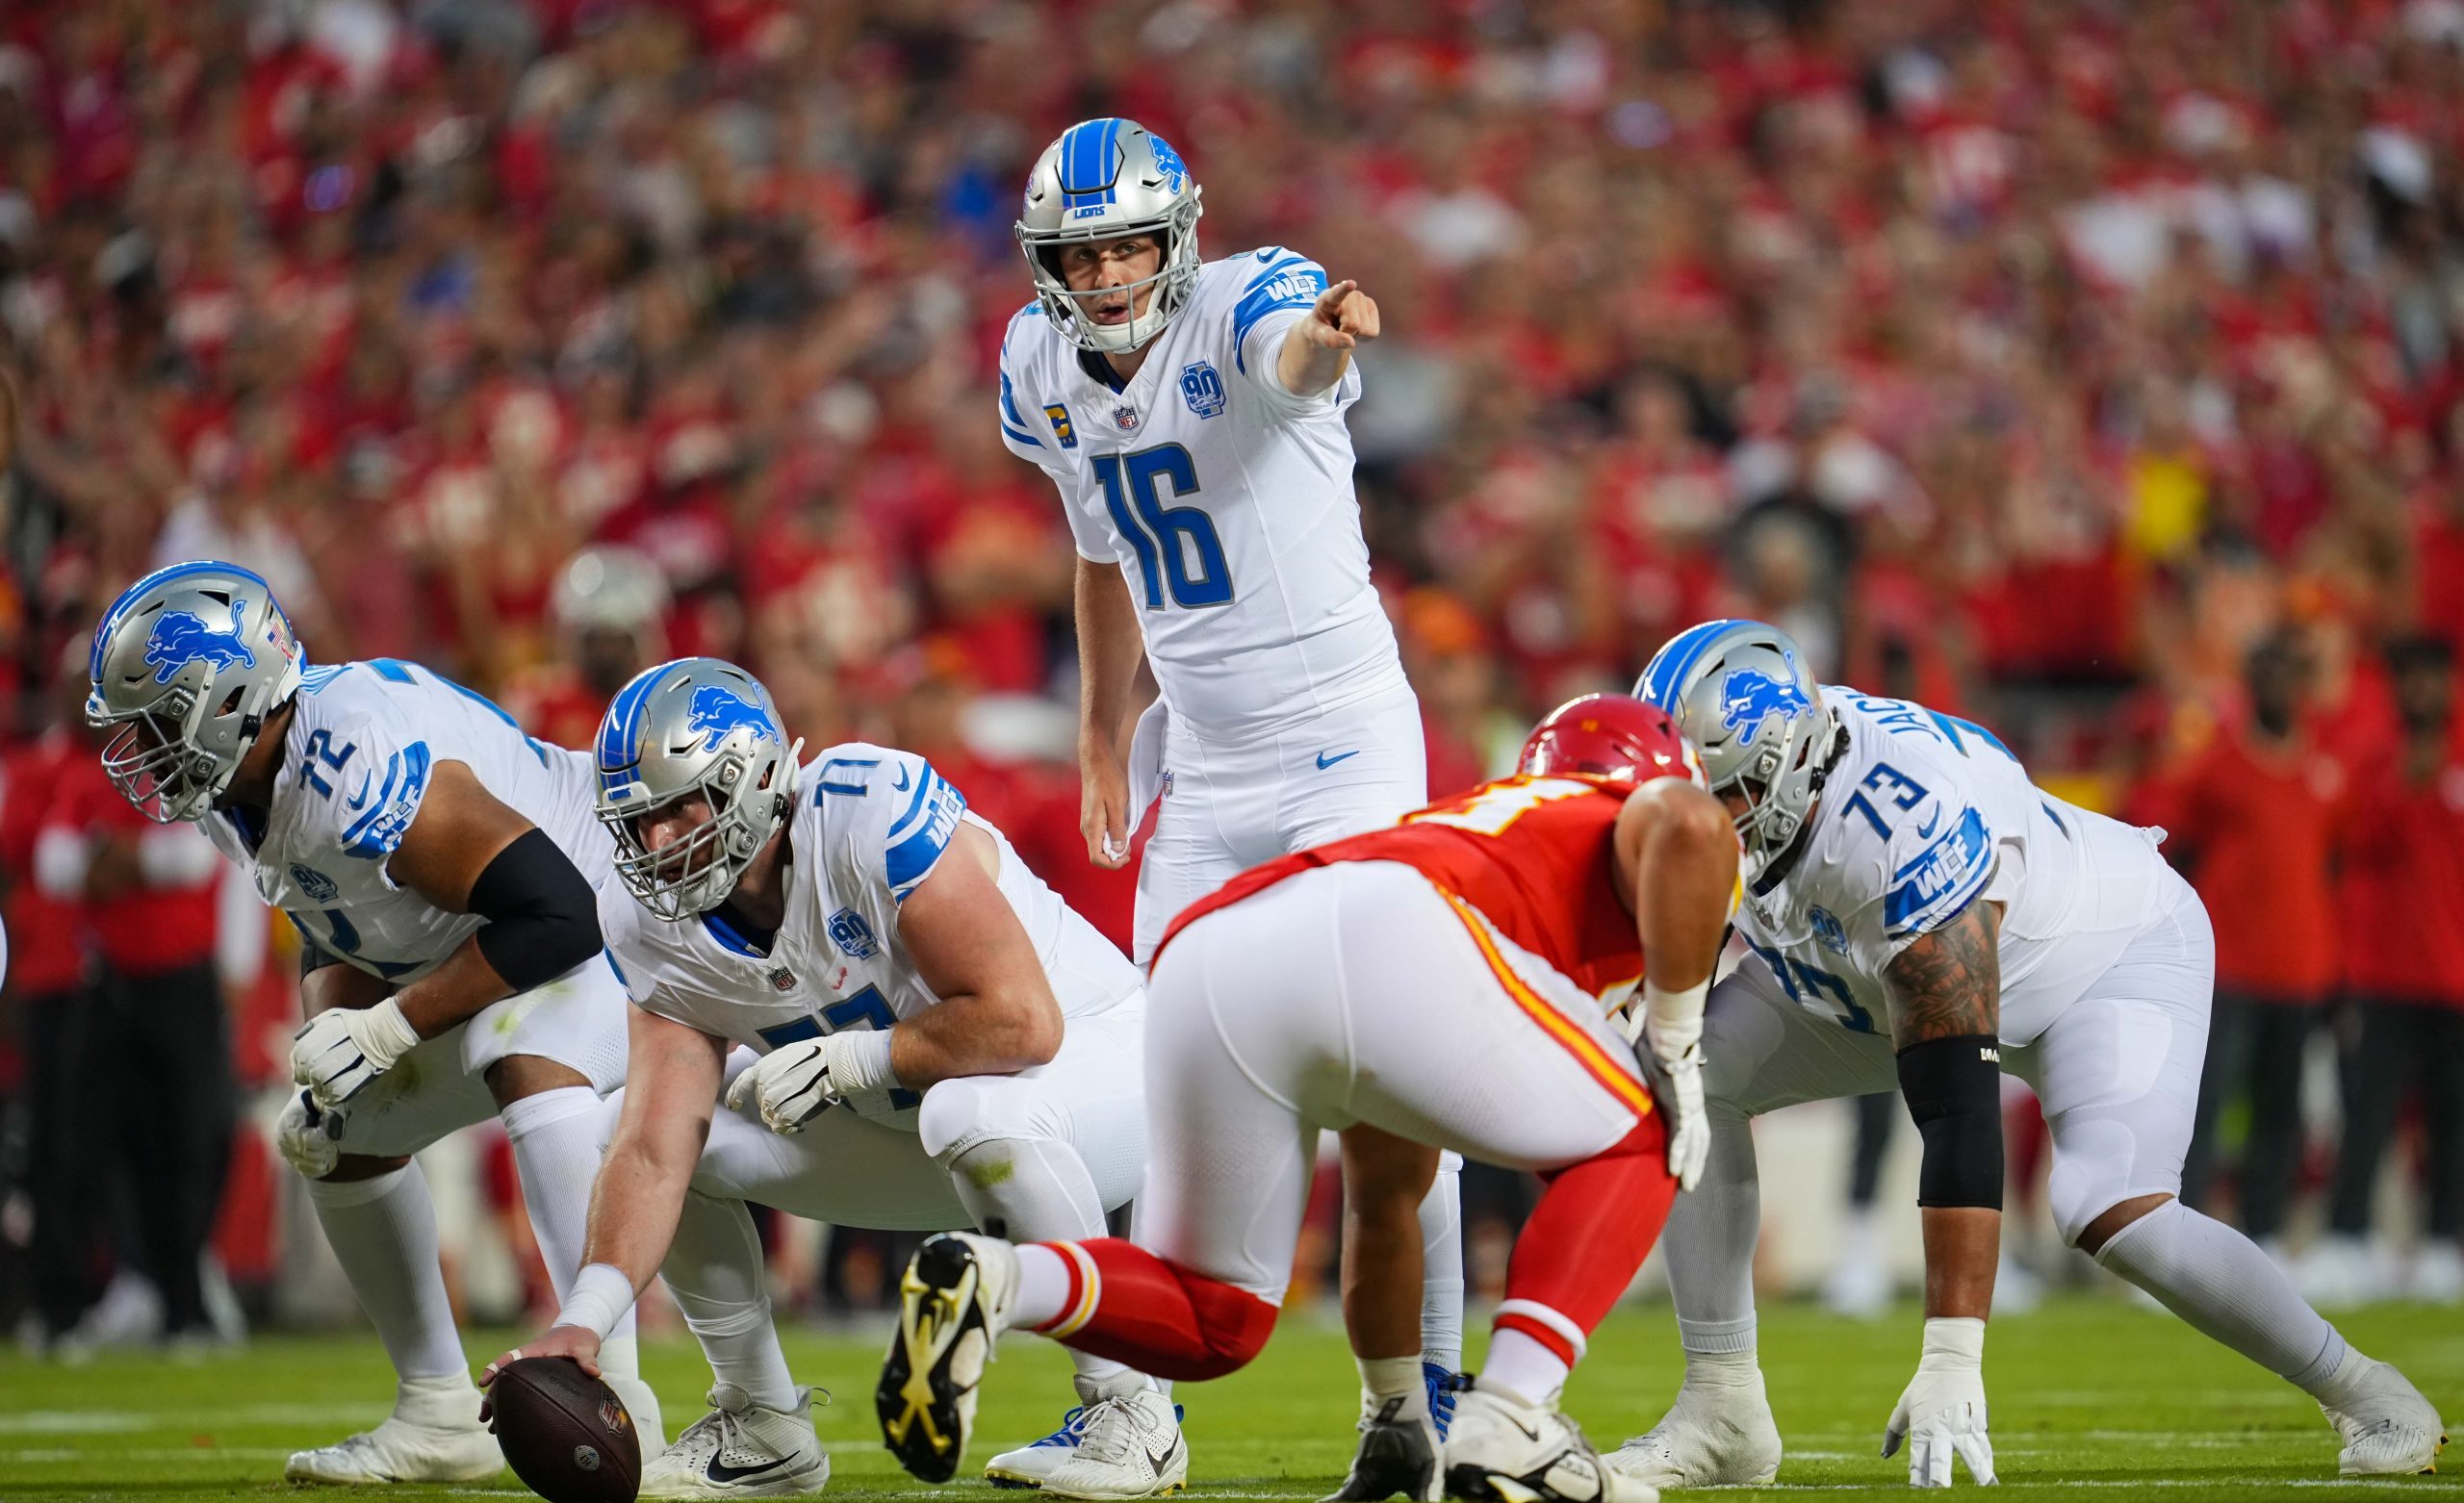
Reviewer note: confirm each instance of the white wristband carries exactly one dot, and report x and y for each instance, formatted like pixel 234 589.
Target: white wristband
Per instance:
pixel 387 1035
pixel 859 1064
pixel 1673 1020
pixel 1953 1341
pixel 600 1295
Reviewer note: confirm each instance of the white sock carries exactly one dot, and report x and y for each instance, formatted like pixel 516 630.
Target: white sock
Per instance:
pixel 383 1231
pixel 1043 1287
pixel 448 1401
pixel 1385 1378
pixel 2219 1282
pixel 1709 1240
pixel 1038 1190
pixel 556 1136
pixel 1524 1367
pixel 715 1270
pixel 1442 1265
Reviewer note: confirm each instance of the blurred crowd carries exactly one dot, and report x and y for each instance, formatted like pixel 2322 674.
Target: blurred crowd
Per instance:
pixel 2086 367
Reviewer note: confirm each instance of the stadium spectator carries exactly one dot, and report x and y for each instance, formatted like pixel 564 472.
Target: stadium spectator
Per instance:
pixel 2405 968
pixel 155 1069
pixel 2253 815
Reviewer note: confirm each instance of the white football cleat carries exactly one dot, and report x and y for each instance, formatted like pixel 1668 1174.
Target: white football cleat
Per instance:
pixel 2389 1429
pixel 740 1450
pixel 434 1434
pixel 1715 1435
pixel 1132 1448
pixel 1502 1448
pixel 1031 1463
pixel 953 1305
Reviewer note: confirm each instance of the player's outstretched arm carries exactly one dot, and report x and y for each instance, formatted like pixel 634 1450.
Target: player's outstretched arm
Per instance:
pixel 1677 859
pixel 671 1080
pixel 1318 349
pixel 1108 651
pixel 1946 999
pixel 465 851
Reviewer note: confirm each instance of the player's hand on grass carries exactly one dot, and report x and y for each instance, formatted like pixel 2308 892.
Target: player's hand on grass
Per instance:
pixel 1941 1414
pixel 1103 807
pixel 572 1341
pixel 341 1051
pixel 1343 317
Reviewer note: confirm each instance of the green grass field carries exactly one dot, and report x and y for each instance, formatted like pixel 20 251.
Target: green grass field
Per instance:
pixel 2091 1397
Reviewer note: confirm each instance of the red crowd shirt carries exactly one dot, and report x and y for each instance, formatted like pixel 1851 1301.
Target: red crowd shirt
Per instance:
pixel 146 929
pixel 44 952
pixel 2259 828
pixel 1536 855
pixel 2404 885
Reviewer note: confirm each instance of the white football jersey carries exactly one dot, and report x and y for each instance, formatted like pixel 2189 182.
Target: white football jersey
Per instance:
pixel 1227 500
pixel 870 824
pixel 364 739
pixel 1925 814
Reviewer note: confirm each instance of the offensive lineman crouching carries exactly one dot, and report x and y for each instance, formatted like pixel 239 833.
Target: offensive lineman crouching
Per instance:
pixel 1433 984
pixel 943 1043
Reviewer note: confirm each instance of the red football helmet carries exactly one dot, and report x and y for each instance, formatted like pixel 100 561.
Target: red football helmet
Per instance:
pixel 1611 736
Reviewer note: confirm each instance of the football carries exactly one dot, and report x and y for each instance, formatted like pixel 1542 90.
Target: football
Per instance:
pixel 564 1433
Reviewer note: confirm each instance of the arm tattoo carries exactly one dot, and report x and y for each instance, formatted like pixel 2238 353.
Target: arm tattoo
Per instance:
pixel 1949 982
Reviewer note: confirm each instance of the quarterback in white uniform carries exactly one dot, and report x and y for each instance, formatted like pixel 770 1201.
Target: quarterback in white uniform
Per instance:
pixel 438 865
pixel 858 940
pixel 1190 413
pixel 1922 917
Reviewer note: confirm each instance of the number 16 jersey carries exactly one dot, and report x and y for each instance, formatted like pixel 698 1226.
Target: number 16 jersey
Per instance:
pixel 1225 500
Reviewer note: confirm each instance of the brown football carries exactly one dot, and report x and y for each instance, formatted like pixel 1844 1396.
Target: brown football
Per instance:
pixel 564 1433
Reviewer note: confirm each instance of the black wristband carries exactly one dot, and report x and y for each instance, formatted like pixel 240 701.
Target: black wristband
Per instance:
pixel 1954 1092
pixel 543 917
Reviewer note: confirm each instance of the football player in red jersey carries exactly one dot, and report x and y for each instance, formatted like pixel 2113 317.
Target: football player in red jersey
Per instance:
pixel 1443 982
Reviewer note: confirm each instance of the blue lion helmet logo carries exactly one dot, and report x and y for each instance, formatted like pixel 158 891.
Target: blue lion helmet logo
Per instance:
pixel 1749 697
pixel 1168 162
pixel 716 711
pixel 184 637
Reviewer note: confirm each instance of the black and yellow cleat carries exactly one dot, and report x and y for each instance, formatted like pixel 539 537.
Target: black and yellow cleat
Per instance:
pixel 951 1307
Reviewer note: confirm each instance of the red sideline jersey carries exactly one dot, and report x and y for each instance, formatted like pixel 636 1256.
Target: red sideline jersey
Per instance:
pixel 1533 854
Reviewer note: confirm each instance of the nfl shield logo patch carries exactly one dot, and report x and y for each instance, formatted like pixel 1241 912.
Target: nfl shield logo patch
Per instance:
pixel 782 979
pixel 1125 416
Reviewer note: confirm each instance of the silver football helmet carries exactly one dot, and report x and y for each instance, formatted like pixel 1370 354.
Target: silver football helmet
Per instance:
pixel 1741 693
pixel 1103 180
pixel 696 726
pixel 186 664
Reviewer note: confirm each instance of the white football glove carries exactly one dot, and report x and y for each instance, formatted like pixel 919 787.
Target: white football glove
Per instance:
pixel 1669 1026
pixel 309 1140
pixel 793 1085
pixel 341 1051
pixel 1942 1412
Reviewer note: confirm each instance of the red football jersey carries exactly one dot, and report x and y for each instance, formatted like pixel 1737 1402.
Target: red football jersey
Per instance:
pixel 1533 854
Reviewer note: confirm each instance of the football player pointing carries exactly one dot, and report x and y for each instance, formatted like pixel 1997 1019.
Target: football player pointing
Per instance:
pixel 1922 916
pixel 1190 413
